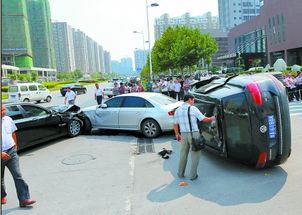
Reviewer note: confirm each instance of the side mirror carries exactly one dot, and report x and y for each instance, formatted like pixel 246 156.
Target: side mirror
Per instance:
pixel 104 106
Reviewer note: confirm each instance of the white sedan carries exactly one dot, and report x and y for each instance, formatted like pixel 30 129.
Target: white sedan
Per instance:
pixel 149 113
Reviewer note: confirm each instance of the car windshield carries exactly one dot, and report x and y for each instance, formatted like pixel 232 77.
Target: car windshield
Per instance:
pixel 13 89
pixel 163 100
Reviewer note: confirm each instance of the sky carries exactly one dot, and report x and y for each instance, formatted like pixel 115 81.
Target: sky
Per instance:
pixel 111 22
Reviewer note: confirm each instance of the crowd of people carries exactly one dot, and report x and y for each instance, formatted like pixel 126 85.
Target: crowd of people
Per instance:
pixel 294 86
pixel 175 88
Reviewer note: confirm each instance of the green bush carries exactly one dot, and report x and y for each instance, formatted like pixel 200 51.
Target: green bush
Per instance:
pixel 4 96
pixel 4 89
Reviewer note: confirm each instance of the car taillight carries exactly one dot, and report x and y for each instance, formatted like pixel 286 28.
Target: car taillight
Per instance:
pixel 255 92
pixel 171 113
pixel 262 160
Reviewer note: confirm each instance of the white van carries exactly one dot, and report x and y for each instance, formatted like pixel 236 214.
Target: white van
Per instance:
pixel 26 92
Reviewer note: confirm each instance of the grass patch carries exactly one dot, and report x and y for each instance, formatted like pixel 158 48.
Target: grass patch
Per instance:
pixel 4 96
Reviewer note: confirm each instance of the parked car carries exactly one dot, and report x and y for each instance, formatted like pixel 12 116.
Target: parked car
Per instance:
pixel 108 89
pixel 149 113
pixel 26 92
pixel 252 118
pixel 37 124
pixel 77 88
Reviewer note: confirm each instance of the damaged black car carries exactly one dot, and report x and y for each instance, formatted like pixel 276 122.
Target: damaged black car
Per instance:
pixel 252 118
pixel 37 124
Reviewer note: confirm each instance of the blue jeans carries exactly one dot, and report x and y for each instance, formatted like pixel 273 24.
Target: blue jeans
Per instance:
pixel 13 166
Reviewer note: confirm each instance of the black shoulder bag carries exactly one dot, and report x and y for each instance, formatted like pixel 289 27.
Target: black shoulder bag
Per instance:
pixel 199 142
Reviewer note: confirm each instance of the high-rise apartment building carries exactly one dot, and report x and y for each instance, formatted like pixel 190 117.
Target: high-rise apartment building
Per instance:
pixel 101 58
pixel 64 48
pixel 235 12
pixel 140 59
pixel 39 18
pixel 206 21
pixel 16 42
pixel 107 62
pixel 80 51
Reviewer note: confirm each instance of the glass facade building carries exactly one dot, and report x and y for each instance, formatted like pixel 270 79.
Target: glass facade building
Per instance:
pixel 16 42
pixel 41 33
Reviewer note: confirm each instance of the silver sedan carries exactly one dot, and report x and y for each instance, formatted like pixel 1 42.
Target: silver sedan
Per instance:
pixel 149 113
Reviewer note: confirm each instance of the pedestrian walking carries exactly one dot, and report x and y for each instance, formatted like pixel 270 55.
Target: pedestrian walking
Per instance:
pixel 181 122
pixel 115 90
pixel 98 94
pixel 164 87
pixel 70 97
pixel 140 88
pixel 121 89
pixel 171 89
pixel 177 89
pixel 10 159
pixel 155 87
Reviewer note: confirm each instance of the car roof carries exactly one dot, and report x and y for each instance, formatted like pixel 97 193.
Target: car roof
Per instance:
pixel 22 84
pixel 145 95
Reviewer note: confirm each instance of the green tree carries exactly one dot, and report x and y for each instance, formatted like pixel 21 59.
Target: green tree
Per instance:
pixel 77 74
pixel 181 48
pixel 34 75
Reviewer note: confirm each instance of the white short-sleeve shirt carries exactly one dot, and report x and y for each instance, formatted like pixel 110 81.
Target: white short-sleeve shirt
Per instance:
pixel 70 95
pixel 98 92
pixel 181 118
pixel 8 128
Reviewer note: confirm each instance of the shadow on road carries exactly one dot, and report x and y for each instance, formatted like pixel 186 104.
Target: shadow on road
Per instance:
pixel 221 181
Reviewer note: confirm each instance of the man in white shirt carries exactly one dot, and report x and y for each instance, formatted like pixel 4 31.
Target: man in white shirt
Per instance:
pixel 177 88
pixel 98 94
pixel 10 159
pixel 70 97
pixel 181 121
pixel 164 87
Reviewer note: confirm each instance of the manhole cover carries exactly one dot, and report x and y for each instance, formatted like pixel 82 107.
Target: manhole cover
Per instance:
pixel 145 145
pixel 78 159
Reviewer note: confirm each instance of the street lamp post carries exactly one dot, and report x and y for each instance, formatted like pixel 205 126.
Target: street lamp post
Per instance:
pixel 142 33
pixel 150 57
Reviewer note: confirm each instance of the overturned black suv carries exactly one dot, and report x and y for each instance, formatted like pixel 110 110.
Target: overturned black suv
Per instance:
pixel 253 121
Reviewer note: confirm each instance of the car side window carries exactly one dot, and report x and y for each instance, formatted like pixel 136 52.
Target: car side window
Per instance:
pixel 14 112
pixel 32 111
pixel 115 102
pixel 23 88
pixel 33 88
pixel 41 87
pixel 134 102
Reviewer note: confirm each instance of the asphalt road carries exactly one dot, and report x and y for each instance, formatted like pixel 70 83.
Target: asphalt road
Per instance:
pixel 82 100
pixel 103 174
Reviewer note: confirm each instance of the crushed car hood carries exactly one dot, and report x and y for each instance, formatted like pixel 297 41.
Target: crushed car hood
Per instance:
pixel 65 108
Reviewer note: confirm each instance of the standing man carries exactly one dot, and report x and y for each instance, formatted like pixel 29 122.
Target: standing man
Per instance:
pixel 99 94
pixel 181 120
pixel 10 159
pixel 70 96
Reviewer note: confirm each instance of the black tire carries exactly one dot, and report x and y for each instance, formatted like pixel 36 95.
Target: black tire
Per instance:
pixel 87 126
pixel 38 101
pixel 48 99
pixel 74 128
pixel 26 100
pixel 150 128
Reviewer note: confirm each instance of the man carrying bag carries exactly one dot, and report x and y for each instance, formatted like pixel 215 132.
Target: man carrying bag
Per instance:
pixel 187 132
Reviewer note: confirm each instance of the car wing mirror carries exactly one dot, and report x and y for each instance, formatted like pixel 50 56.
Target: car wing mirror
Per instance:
pixel 103 106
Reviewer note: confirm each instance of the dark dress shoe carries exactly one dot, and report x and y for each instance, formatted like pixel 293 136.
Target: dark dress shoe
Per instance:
pixel 3 200
pixel 26 202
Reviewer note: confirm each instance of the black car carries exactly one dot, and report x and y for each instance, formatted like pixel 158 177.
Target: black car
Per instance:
pixel 77 88
pixel 252 118
pixel 37 124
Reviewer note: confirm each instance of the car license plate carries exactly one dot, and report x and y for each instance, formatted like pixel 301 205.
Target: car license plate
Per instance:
pixel 271 126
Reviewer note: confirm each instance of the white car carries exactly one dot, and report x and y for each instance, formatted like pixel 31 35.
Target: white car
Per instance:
pixel 108 89
pixel 26 92
pixel 149 113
